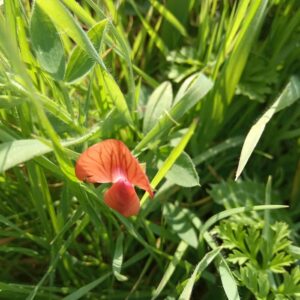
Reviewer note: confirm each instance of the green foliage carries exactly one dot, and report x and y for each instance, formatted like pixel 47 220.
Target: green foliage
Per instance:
pixel 181 222
pixel 49 49
pixel 159 103
pixel 290 94
pixel 183 172
pixel 79 62
pixel 261 264
pixel 181 83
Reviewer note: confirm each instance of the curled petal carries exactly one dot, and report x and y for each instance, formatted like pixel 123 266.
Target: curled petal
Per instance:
pixel 109 161
pixel 123 198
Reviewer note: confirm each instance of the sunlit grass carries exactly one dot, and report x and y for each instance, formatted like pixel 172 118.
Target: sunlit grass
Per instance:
pixel 180 83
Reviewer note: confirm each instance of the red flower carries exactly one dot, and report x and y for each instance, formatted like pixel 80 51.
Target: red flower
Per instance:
pixel 111 161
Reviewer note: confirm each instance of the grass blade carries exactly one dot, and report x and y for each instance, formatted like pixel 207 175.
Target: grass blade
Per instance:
pixel 169 16
pixel 238 210
pixel 83 291
pixel 118 259
pixel 182 247
pixel 228 281
pixel 169 162
pixel 290 94
pixel 201 266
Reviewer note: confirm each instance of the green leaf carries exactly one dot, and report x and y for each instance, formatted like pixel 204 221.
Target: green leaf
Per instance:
pixel 289 95
pixel 184 87
pixel 213 151
pixel 280 238
pixel 280 261
pixel 183 172
pixel 238 210
pixel 228 281
pixel 256 281
pixel 80 62
pixel 242 241
pixel 22 250
pixel 291 283
pixel 118 259
pixel 46 43
pixel 116 96
pixel 237 257
pixel 295 251
pixel 232 194
pixel 16 152
pixel 201 266
pixel 182 247
pixel 171 159
pixel 84 290
pixel 169 16
pixel 63 19
pixel 179 219
pixel 198 89
pixel 159 103
pixel 241 31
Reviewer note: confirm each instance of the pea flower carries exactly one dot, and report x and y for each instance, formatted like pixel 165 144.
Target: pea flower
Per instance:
pixel 111 161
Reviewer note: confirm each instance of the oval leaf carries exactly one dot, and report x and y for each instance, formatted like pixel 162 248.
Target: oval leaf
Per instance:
pixel 181 222
pixel 47 44
pixel 80 61
pixel 64 20
pixel 16 152
pixel 160 101
pixel 196 91
pixel 183 172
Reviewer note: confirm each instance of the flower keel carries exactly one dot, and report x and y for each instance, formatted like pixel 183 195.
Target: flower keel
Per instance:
pixel 123 198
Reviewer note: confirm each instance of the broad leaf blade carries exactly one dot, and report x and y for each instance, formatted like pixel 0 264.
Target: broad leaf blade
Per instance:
pixel 47 44
pixel 16 152
pixel 80 62
pixel 63 20
pixel 159 103
pixel 183 172
pixel 180 221
pixel 198 89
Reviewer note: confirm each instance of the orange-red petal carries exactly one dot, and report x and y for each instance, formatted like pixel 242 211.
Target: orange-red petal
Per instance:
pixel 123 198
pixel 109 161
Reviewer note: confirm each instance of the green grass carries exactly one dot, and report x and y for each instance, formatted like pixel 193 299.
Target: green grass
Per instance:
pixel 201 92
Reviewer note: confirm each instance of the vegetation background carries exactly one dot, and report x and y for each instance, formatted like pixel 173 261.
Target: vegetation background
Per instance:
pixel 181 83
